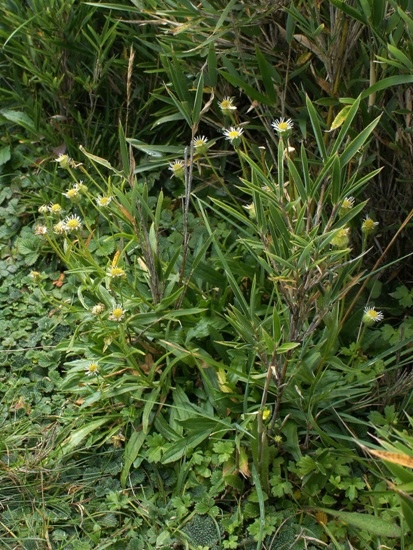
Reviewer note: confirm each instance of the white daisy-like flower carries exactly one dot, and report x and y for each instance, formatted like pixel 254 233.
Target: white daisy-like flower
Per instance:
pixel 372 316
pixel 200 144
pixel 72 223
pixel 177 167
pixel 115 272
pixel 81 187
pixel 72 193
pixel 117 314
pixel 282 126
pixel 43 209
pixel 55 208
pixel 103 201
pixel 65 161
pixel 92 369
pixel 233 133
pixel 227 104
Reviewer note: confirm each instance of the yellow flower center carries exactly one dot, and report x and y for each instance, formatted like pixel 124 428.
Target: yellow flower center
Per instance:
pixel 104 201
pixel 116 272
pixel 227 104
pixel 233 134
pixel 117 313
pixel 373 314
pixel 93 368
pixel 73 224
pixel 71 193
pixel 369 224
pixel 347 203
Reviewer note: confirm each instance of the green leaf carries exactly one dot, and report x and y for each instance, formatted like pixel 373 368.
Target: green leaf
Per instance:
pixel 318 134
pixel 179 448
pixel 367 522
pixel 20 118
pixel 388 82
pixel 357 142
pixel 268 74
pixel 156 150
pixel 98 160
pixel 212 73
pixel 76 437
pixel 407 509
pixel 287 346
pixel 400 56
pixel 124 152
pixel 198 101
pixel 5 154
pixel 352 12
pixel 132 448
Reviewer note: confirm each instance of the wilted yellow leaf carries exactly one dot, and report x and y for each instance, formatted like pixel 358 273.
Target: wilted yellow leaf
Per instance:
pixel 340 118
pixel 396 458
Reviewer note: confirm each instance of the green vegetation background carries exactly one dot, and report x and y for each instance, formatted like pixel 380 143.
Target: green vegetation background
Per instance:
pixel 205 262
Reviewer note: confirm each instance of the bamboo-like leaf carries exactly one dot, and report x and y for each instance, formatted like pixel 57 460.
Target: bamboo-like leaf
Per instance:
pixel 388 82
pixel 336 178
pixel 315 123
pixel 124 154
pixel 196 110
pixel 406 18
pixel 297 180
pixel 212 66
pixel 400 56
pixel 267 73
pixel 352 12
pixel 178 79
pixel 358 142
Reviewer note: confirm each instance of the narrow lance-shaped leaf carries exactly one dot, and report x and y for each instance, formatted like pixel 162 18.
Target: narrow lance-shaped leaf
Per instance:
pixel 358 142
pixel 315 123
pixel 367 522
pixel 132 448
pixel 198 102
